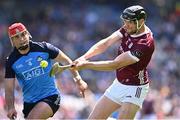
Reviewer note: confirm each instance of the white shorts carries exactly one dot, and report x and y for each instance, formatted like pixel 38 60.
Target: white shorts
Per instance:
pixel 121 93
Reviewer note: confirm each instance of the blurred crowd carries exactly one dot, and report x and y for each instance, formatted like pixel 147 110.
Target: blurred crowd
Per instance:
pixel 74 26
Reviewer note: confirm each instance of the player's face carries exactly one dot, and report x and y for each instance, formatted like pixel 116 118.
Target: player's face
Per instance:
pixel 21 41
pixel 130 26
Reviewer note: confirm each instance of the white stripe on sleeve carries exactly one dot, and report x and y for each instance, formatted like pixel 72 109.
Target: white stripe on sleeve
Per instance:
pixel 118 33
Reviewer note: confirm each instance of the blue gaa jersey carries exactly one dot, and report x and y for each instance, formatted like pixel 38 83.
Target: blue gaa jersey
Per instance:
pixel 34 80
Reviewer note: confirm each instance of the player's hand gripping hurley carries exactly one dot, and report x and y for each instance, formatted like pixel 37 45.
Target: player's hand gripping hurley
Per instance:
pixel 58 68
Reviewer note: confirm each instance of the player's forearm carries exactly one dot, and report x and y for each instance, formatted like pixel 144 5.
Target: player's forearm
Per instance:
pixel 67 60
pixel 9 98
pixel 63 58
pixel 101 65
pixel 9 92
pixel 76 75
pixel 74 72
pixel 120 61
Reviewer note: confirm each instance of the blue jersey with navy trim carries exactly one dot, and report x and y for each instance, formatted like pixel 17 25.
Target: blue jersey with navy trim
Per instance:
pixel 34 80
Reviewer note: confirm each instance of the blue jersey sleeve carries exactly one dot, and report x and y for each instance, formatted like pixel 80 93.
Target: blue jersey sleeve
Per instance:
pixel 9 72
pixel 52 50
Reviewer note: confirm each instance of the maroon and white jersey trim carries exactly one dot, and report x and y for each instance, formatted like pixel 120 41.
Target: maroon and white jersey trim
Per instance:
pixel 118 33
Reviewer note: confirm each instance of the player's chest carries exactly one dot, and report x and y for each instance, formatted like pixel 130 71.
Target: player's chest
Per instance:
pixel 29 62
pixel 127 44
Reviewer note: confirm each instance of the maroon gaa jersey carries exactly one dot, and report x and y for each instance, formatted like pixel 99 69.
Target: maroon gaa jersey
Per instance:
pixel 140 47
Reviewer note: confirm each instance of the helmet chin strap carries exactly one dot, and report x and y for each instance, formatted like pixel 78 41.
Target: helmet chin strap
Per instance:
pixel 137 26
pixel 11 42
pixel 29 34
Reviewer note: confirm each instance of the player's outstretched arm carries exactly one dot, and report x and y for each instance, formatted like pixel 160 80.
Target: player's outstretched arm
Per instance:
pixel 120 61
pixel 101 46
pixel 82 85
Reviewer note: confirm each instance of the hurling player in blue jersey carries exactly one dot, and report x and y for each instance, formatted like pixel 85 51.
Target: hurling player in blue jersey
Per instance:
pixel 40 94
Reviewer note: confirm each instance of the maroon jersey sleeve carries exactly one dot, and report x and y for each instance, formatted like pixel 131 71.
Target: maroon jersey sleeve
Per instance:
pixel 122 31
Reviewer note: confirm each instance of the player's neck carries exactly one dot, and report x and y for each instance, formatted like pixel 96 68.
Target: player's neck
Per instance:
pixel 141 30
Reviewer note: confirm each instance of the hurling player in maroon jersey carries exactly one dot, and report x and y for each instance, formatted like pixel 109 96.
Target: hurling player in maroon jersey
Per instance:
pixel 136 46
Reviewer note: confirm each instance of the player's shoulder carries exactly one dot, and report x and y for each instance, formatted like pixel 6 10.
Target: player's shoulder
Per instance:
pixel 39 46
pixel 13 56
pixel 146 38
pixel 14 52
pixel 146 44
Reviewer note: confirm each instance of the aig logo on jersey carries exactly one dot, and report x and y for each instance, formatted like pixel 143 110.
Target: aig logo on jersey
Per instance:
pixel 32 73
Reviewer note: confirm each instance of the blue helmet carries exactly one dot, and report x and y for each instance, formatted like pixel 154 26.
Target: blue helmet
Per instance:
pixel 135 12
